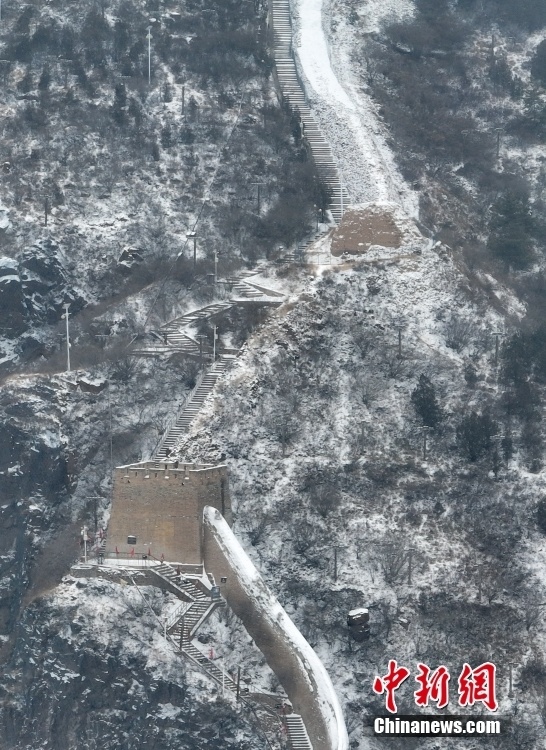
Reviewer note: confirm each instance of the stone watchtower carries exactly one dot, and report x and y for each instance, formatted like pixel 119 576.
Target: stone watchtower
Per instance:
pixel 157 509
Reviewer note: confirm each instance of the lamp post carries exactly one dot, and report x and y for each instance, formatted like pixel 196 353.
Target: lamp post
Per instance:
pixel 85 538
pixel 149 37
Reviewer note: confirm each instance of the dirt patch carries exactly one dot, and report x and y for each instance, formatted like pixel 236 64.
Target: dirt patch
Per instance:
pixel 359 230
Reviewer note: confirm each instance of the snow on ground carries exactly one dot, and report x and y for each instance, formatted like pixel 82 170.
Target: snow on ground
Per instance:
pixel 345 113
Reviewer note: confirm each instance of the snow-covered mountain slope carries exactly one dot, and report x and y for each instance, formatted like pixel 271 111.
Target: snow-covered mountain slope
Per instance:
pixel 343 499
pixel 94 669
pixel 335 492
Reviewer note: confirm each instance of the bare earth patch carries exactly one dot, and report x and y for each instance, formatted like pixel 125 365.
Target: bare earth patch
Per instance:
pixel 363 227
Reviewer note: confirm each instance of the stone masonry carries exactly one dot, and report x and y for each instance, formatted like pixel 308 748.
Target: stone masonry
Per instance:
pixel 161 505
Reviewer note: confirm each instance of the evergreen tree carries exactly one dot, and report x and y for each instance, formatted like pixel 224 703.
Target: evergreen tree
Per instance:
pixel 511 228
pixel 120 103
pixel 425 402
pixel 45 79
pixel 538 64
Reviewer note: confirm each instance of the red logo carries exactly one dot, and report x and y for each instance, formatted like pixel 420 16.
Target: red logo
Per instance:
pixel 390 683
pixel 475 685
pixel 434 686
pixel 478 685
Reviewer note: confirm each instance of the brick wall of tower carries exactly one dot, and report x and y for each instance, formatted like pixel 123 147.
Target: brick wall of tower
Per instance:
pixel 164 510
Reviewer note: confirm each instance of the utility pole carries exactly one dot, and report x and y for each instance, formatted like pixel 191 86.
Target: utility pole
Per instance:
pixel 95 510
pixel 496 334
pixel 336 548
pixel 498 132
pixel 400 328
pixel 411 550
pixel 181 632
pixel 258 184
pixel 216 266
pixel 104 336
pixel 66 306
pixel 510 683
pixel 425 435
pixel 238 683
pixel 200 338
pixel 214 337
pixel 149 55
pixel 111 440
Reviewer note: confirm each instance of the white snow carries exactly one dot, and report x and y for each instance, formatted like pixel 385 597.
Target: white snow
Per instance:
pixel 375 13
pixel 358 611
pixel 4 217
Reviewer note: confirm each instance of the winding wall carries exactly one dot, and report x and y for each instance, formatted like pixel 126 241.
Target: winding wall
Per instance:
pixel 298 668
pixel 294 94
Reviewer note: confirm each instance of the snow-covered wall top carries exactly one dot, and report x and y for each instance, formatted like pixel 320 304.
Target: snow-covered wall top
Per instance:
pixel 265 607
pixel 345 113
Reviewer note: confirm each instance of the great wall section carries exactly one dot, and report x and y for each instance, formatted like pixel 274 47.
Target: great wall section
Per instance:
pixel 170 519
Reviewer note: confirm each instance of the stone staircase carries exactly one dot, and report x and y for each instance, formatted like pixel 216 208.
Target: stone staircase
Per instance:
pixel 203 389
pixel 297 733
pixel 172 337
pixel 183 628
pixel 293 92
pixel 197 656
pixel 175 338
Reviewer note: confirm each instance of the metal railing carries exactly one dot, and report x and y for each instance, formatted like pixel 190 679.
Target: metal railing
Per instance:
pixel 176 614
pixel 172 422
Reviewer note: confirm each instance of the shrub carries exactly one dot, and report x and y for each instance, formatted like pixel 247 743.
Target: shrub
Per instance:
pixel 511 229
pixel 474 435
pixel 458 332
